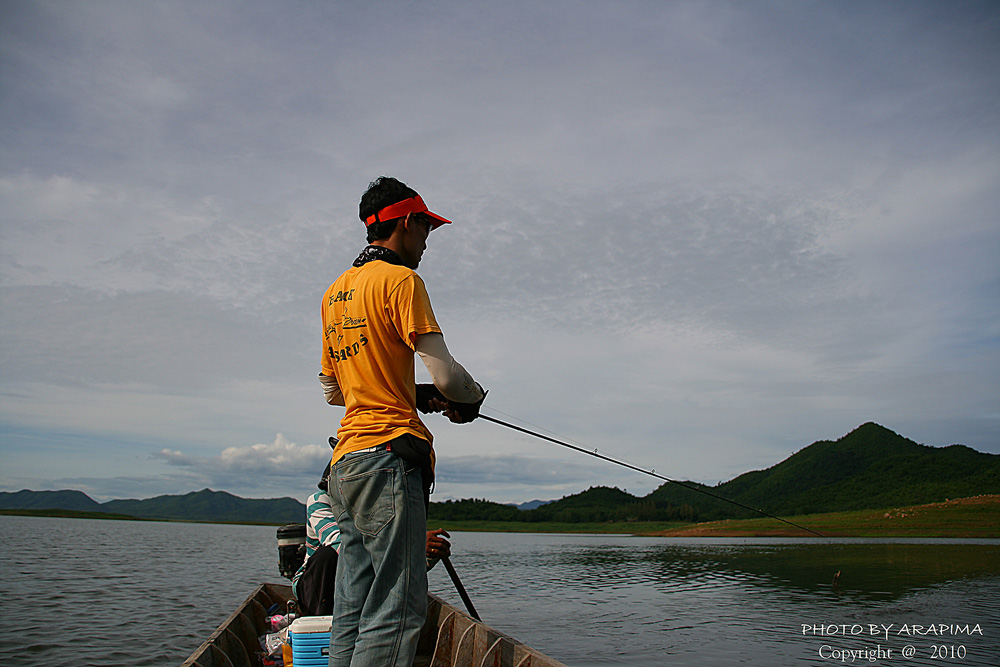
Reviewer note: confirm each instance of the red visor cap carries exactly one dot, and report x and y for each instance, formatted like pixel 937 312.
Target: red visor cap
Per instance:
pixel 400 209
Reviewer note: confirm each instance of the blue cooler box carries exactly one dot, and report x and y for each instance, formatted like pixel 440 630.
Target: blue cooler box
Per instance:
pixel 310 640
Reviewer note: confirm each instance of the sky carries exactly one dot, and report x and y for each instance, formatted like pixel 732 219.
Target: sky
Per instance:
pixel 694 236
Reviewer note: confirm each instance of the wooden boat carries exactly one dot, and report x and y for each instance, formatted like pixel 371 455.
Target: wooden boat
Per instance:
pixel 450 638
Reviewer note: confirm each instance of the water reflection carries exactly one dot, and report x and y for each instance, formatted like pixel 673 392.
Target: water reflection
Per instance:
pixel 124 594
pixel 634 601
pixel 878 570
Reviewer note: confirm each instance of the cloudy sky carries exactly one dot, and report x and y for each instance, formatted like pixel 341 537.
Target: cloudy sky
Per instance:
pixel 696 236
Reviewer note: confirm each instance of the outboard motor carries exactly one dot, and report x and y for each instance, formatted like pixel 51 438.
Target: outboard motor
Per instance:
pixel 291 548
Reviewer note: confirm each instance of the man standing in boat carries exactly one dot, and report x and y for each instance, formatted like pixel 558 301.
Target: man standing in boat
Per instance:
pixel 376 315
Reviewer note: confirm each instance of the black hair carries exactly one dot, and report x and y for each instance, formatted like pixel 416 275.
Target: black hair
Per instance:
pixel 383 191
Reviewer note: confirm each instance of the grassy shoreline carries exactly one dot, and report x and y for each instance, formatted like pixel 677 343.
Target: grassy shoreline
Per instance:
pixel 608 528
pixel 976 517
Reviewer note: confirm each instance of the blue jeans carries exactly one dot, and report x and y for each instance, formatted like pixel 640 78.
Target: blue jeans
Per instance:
pixel 380 594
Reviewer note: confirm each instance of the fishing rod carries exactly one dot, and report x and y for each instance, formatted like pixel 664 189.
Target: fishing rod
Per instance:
pixel 651 472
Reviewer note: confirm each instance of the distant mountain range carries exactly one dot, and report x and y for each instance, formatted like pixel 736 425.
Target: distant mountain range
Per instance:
pixel 869 468
pixel 204 505
pixel 531 504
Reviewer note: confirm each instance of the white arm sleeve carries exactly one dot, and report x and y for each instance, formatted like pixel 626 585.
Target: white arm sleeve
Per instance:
pixel 448 375
pixel 334 396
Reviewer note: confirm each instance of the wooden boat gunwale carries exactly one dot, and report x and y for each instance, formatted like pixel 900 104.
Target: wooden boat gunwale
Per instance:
pixel 450 637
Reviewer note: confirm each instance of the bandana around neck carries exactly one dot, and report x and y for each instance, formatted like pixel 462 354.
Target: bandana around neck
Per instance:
pixel 375 252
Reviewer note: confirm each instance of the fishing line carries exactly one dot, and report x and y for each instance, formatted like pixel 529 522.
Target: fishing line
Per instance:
pixel 651 472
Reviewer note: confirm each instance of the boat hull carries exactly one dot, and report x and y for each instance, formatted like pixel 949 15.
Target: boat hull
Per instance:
pixel 450 638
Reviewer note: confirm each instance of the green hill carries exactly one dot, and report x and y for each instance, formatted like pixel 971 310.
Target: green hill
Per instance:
pixel 598 503
pixel 472 509
pixel 871 467
pixel 208 505
pixel 48 500
pixel 696 506
pixel 204 505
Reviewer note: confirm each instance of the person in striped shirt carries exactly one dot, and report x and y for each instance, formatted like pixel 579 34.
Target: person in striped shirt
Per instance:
pixel 312 584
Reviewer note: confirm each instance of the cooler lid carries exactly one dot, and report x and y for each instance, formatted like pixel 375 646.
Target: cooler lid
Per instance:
pixel 306 624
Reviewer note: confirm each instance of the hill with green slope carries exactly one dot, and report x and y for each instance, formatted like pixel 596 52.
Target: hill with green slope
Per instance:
pixel 598 503
pixel 46 500
pixel 870 467
pixel 208 505
pixel 472 509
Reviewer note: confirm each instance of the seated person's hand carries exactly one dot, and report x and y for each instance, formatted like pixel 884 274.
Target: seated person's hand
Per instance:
pixel 437 546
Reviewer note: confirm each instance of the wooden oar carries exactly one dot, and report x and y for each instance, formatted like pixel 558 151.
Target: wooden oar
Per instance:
pixel 461 589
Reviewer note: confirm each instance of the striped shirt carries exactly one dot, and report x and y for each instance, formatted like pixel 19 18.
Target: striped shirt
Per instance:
pixel 321 530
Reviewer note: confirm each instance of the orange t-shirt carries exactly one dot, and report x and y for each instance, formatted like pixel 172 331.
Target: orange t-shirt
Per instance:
pixel 372 316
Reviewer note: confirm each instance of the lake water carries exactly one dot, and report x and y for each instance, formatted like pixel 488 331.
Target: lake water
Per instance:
pixel 125 593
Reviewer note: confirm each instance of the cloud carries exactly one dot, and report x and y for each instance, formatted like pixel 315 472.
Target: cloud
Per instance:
pixel 176 458
pixel 498 470
pixel 281 457
pixel 721 259
pixel 278 464
pixel 698 234
pixel 276 469
pixel 61 230
pixel 159 339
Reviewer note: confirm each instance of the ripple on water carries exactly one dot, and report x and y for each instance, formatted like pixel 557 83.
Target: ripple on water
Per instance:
pixel 139 593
